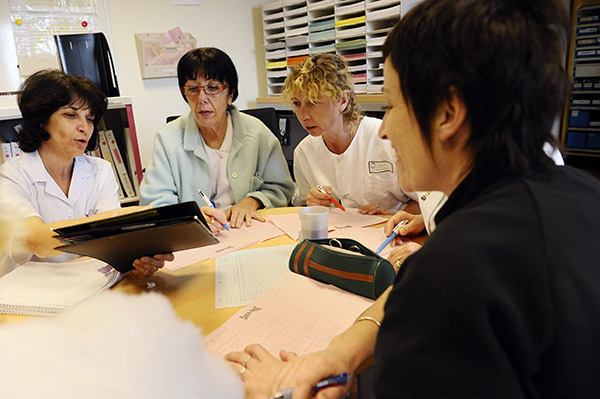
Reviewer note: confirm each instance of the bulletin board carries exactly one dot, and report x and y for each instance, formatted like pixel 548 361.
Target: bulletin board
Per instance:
pixel 30 46
pixel 35 22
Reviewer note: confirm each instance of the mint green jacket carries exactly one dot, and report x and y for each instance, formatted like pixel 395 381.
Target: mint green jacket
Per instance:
pixel 179 166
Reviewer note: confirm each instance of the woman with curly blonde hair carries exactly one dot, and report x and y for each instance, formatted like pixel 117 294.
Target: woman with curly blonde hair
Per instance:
pixel 342 152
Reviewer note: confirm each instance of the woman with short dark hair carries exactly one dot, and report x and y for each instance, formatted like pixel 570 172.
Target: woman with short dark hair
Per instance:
pixel 502 301
pixel 233 158
pixel 53 183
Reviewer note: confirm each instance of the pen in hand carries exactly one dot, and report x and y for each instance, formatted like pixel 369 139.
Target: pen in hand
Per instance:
pixel 322 190
pixel 336 380
pixel 391 236
pixel 209 203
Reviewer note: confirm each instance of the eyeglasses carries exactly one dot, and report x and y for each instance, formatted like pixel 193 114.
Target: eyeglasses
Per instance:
pixel 210 89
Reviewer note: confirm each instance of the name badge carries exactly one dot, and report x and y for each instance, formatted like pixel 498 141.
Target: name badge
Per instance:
pixel 381 167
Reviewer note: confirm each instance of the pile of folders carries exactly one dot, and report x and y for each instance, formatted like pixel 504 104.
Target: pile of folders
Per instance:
pixel 120 240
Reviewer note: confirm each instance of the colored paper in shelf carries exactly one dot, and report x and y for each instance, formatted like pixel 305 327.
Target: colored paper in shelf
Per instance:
pixel 317 26
pixel 276 64
pixel 327 48
pixel 359 77
pixel 350 21
pixel 351 44
pixel 293 61
pixel 355 56
pixel 324 35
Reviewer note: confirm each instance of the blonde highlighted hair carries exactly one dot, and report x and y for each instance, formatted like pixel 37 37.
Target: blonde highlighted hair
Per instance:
pixel 323 74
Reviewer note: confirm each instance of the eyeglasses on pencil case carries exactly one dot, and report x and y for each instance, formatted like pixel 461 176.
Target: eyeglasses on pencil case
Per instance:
pixel 345 263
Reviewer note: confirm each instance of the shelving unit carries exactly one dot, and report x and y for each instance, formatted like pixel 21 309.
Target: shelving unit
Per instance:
pixel 581 124
pixel 118 118
pixel 356 30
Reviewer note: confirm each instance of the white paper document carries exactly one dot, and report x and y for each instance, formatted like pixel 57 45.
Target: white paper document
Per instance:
pixel 229 241
pixel 338 219
pixel 243 276
pixel 297 314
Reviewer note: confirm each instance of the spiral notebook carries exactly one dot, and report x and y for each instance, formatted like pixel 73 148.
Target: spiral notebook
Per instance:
pixel 44 288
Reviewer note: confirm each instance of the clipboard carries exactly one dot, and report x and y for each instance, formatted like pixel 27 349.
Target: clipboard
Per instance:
pixel 120 240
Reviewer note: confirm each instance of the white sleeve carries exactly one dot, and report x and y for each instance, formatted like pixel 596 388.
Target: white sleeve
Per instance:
pixel 16 191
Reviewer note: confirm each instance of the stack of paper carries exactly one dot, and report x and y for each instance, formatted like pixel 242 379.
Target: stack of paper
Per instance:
pixel 320 36
pixel 43 288
pixel 323 48
pixel 351 44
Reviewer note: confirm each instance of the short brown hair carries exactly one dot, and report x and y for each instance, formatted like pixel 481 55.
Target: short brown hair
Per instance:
pixel 43 93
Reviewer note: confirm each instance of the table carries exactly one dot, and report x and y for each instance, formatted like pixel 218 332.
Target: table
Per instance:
pixel 191 290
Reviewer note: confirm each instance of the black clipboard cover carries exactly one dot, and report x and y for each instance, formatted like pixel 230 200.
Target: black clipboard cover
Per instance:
pixel 120 240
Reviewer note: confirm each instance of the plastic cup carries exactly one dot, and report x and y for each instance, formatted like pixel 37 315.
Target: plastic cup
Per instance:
pixel 314 221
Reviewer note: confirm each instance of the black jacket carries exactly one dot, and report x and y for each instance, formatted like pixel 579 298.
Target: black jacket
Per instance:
pixel 503 300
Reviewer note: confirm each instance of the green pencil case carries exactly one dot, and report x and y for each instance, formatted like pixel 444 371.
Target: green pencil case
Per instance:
pixel 345 263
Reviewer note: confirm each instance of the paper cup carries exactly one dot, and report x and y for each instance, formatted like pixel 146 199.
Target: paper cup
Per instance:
pixel 314 221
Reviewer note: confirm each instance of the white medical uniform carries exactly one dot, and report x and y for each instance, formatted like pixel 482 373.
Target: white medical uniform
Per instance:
pixel 365 173
pixel 26 182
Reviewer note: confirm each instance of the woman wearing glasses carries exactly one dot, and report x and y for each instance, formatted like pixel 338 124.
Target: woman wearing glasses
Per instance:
pixel 231 157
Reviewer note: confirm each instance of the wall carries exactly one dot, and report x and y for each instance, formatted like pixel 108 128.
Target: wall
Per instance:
pixel 213 23
pixel 228 25
pixel 9 74
pixel 232 25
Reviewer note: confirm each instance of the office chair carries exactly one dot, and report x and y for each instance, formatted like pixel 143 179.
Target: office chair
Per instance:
pixel 88 55
pixel 268 116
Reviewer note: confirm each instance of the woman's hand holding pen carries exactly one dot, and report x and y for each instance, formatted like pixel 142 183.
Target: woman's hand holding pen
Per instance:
pixel 317 198
pixel 304 372
pixel 402 249
pixel 216 215
pixel 264 375
pixel 415 225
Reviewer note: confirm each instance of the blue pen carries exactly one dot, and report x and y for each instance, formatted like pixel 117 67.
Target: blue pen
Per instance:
pixel 392 236
pixel 209 203
pixel 340 379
